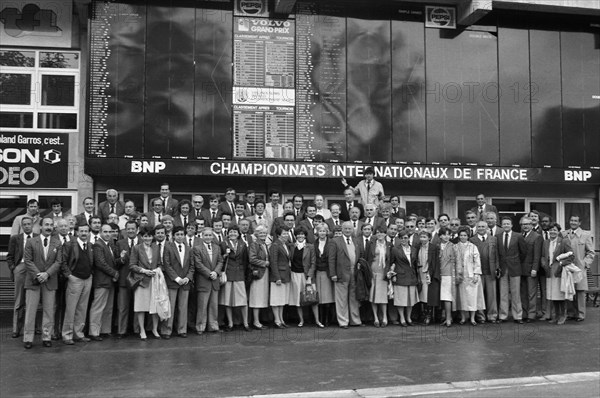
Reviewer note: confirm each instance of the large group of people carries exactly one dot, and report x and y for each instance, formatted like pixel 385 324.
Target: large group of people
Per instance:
pixel 202 269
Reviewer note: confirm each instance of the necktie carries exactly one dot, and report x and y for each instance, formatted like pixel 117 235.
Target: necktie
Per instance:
pixel 546 235
pixel 369 220
pixel 159 217
pixel 480 209
pixel 354 224
pixel 45 242
pixel 210 247
pixel 214 214
pixel 482 238
pixel 336 222
pixel 184 220
pixel 245 238
pixel 70 234
pixel 64 240
pixel 28 236
pixel 368 187
pixel 232 207
pixel 297 212
pixel 85 247
pixel 112 208
pixel 349 207
pixel 131 244
pixel 167 238
pixel 179 245
pixel 190 240
pixel 220 240
pixel 90 219
pixel 506 240
pixel 348 240
pixel 160 248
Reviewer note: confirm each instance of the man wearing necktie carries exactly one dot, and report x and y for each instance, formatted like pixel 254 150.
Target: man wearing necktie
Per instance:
pixel 42 261
pixel 288 224
pixel 343 258
pixel 530 267
pixel 76 266
pixel 208 263
pixel 62 227
pixel 124 293
pixel 348 204
pixel 18 271
pixel 511 254
pixel 487 245
pixel 112 204
pixel 583 250
pixel 482 207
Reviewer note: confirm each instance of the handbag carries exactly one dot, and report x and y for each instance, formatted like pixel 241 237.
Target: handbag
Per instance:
pixel 223 276
pixel 134 279
pixel 309 296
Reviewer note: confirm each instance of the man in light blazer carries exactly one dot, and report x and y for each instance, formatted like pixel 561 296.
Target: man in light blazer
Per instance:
pixel 583 250
pixel 112 204
pixel 179 274
pixel 42 261
pixel 482 207
pixel 18 271
pixel 343 258
pixel 487 245
pixel 103 283
pixel 77 266
pixel 208 263
pixel 530 268
pixel 512 250
pixel 260 217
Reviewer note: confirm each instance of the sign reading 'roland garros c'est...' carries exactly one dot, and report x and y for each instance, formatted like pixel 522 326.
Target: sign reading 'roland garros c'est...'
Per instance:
pixel 34 160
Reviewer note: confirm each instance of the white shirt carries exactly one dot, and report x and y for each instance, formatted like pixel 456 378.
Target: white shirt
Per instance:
pixel 81 243
pixel 180 251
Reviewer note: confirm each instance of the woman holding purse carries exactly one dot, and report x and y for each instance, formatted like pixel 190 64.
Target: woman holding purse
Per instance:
pixel 552 248
pixel 323 281
pixel 402 271
pixel 446 259
pixel 303 271
pixel 470 288
pixel 258 254
pixel 379 256
pixel 145 259
pixel 233 292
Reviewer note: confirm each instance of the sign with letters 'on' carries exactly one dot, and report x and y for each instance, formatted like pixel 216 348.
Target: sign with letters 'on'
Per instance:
pixel 34 160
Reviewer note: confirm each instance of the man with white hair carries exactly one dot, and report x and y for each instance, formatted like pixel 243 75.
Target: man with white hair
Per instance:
pixel 112 204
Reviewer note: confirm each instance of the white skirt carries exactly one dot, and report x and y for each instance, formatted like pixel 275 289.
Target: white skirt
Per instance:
pixel 279 295
pixel 424 289
pixel 296 288
pixel 405 296
pixel 141 298
pixel 325 288
pixel 259 292
pixel 233 294
pixel 446 289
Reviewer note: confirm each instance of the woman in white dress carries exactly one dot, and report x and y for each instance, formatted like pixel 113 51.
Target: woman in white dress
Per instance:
pixel 468 279
pixel 145 258
pixel 259 265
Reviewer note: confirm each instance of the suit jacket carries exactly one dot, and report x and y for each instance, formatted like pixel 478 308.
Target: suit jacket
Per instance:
pixel 551 264
pixel 196 240
pixel 486 209
pixel 269 211
pixel 224 207
pixel 583 250
pixel 258 256
pixel 363 248
pixel 265 220
pixel 236 262
pixel 16 226
pixel 191 219
pixel 249 239
pixel 278 222
pixel 345 215
pixel 151 217
pixel 488 253
pixel 174 268
pixel 406 271
pixel 105 265
pixel 204 266
pixel 370 252
pixel 71 252
pixel 375 222
pixel 279 262
pixel 310 231
pixel 123 263
pixel 399 212
pixel 104 209
pixel 339 259
pixel 35 262
pixel 170 207
pixel 534 253
pixel 139 260
pixel 16 249
pixel 322 257
pixel 308 259
pixel 330 223
pixel 81 218
pixel 511 259
pixel 301 215
pixel 357 232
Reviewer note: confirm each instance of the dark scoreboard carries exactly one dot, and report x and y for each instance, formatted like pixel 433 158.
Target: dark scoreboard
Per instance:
pixel 338 81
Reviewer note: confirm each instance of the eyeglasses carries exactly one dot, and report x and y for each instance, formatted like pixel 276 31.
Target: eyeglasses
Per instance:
pixel 404 237
pixel 526 223
pixel 197 201
pixel 455 225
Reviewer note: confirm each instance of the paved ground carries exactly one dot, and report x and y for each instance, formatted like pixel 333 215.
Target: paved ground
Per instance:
pixel 301 360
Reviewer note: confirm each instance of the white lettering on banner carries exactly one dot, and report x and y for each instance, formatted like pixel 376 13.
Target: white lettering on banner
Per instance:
pixel 147 166
pixel 577 175
pixel 18 155
pixel 16 176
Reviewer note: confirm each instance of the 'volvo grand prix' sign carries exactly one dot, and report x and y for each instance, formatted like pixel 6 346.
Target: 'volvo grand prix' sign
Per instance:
pixel 33 160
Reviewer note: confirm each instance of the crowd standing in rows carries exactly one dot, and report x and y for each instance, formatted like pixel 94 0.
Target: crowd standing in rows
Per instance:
pixel 180 261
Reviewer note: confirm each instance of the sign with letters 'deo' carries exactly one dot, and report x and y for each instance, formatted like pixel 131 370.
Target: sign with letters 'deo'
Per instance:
pixel 38 23
pixel 34 160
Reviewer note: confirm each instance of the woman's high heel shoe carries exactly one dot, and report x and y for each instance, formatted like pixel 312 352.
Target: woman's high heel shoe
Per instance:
pixel 319 324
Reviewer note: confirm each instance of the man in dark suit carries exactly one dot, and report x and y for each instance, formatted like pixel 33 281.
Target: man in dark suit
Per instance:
pixel 364 239
pixel 184 214
pixel 482 207
pixel 279 221
pixel 124 293
pixel 239 215
pixel 179 274
pixel 335 217
pixel 472 219
pixel 18 271
pixel 88 212
pixel 77 265
pixel 343 258
pixel 512 250
pixel 111 205
pixel 371 216
pixel 228 205
pixel 487 245
pixel 356 223
pixel 386 215
pixel 529 269
pixel 308 224
pixel 491 219
pixel 157 213
pixel 103 283
pixel 298 210
pixel 249 202
pixel 42 261
pixel 169 204
pixel 62 233
pixel 349 203
pixel 208 263
pixel 245 234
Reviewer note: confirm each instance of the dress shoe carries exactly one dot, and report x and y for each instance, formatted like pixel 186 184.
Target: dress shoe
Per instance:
pixel 156 336
pixel 376 324
pixel 96 338
pixel 121 336
pixel 519 321
pixel 183 335
pixel 403 324
pixel 384 324
pixel 247 328
pixel 55 337
pixel 579 319
pixel 344 327
pixel 199 332
pixel 47 343
pixel 301 324
pixel 410 323
pixel 228 328
pixel 165 336
pixel 68 342
pixel 561 321
pixel 259 327
pixel 28 345
pixel 15 335
pixel 320 325
pixel 82 340
pixel 279 326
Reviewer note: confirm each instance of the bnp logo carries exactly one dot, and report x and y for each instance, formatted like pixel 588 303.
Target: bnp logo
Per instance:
pixel 30 21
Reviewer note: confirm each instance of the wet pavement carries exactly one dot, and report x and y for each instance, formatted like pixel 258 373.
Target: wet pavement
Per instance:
pixel 298 360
